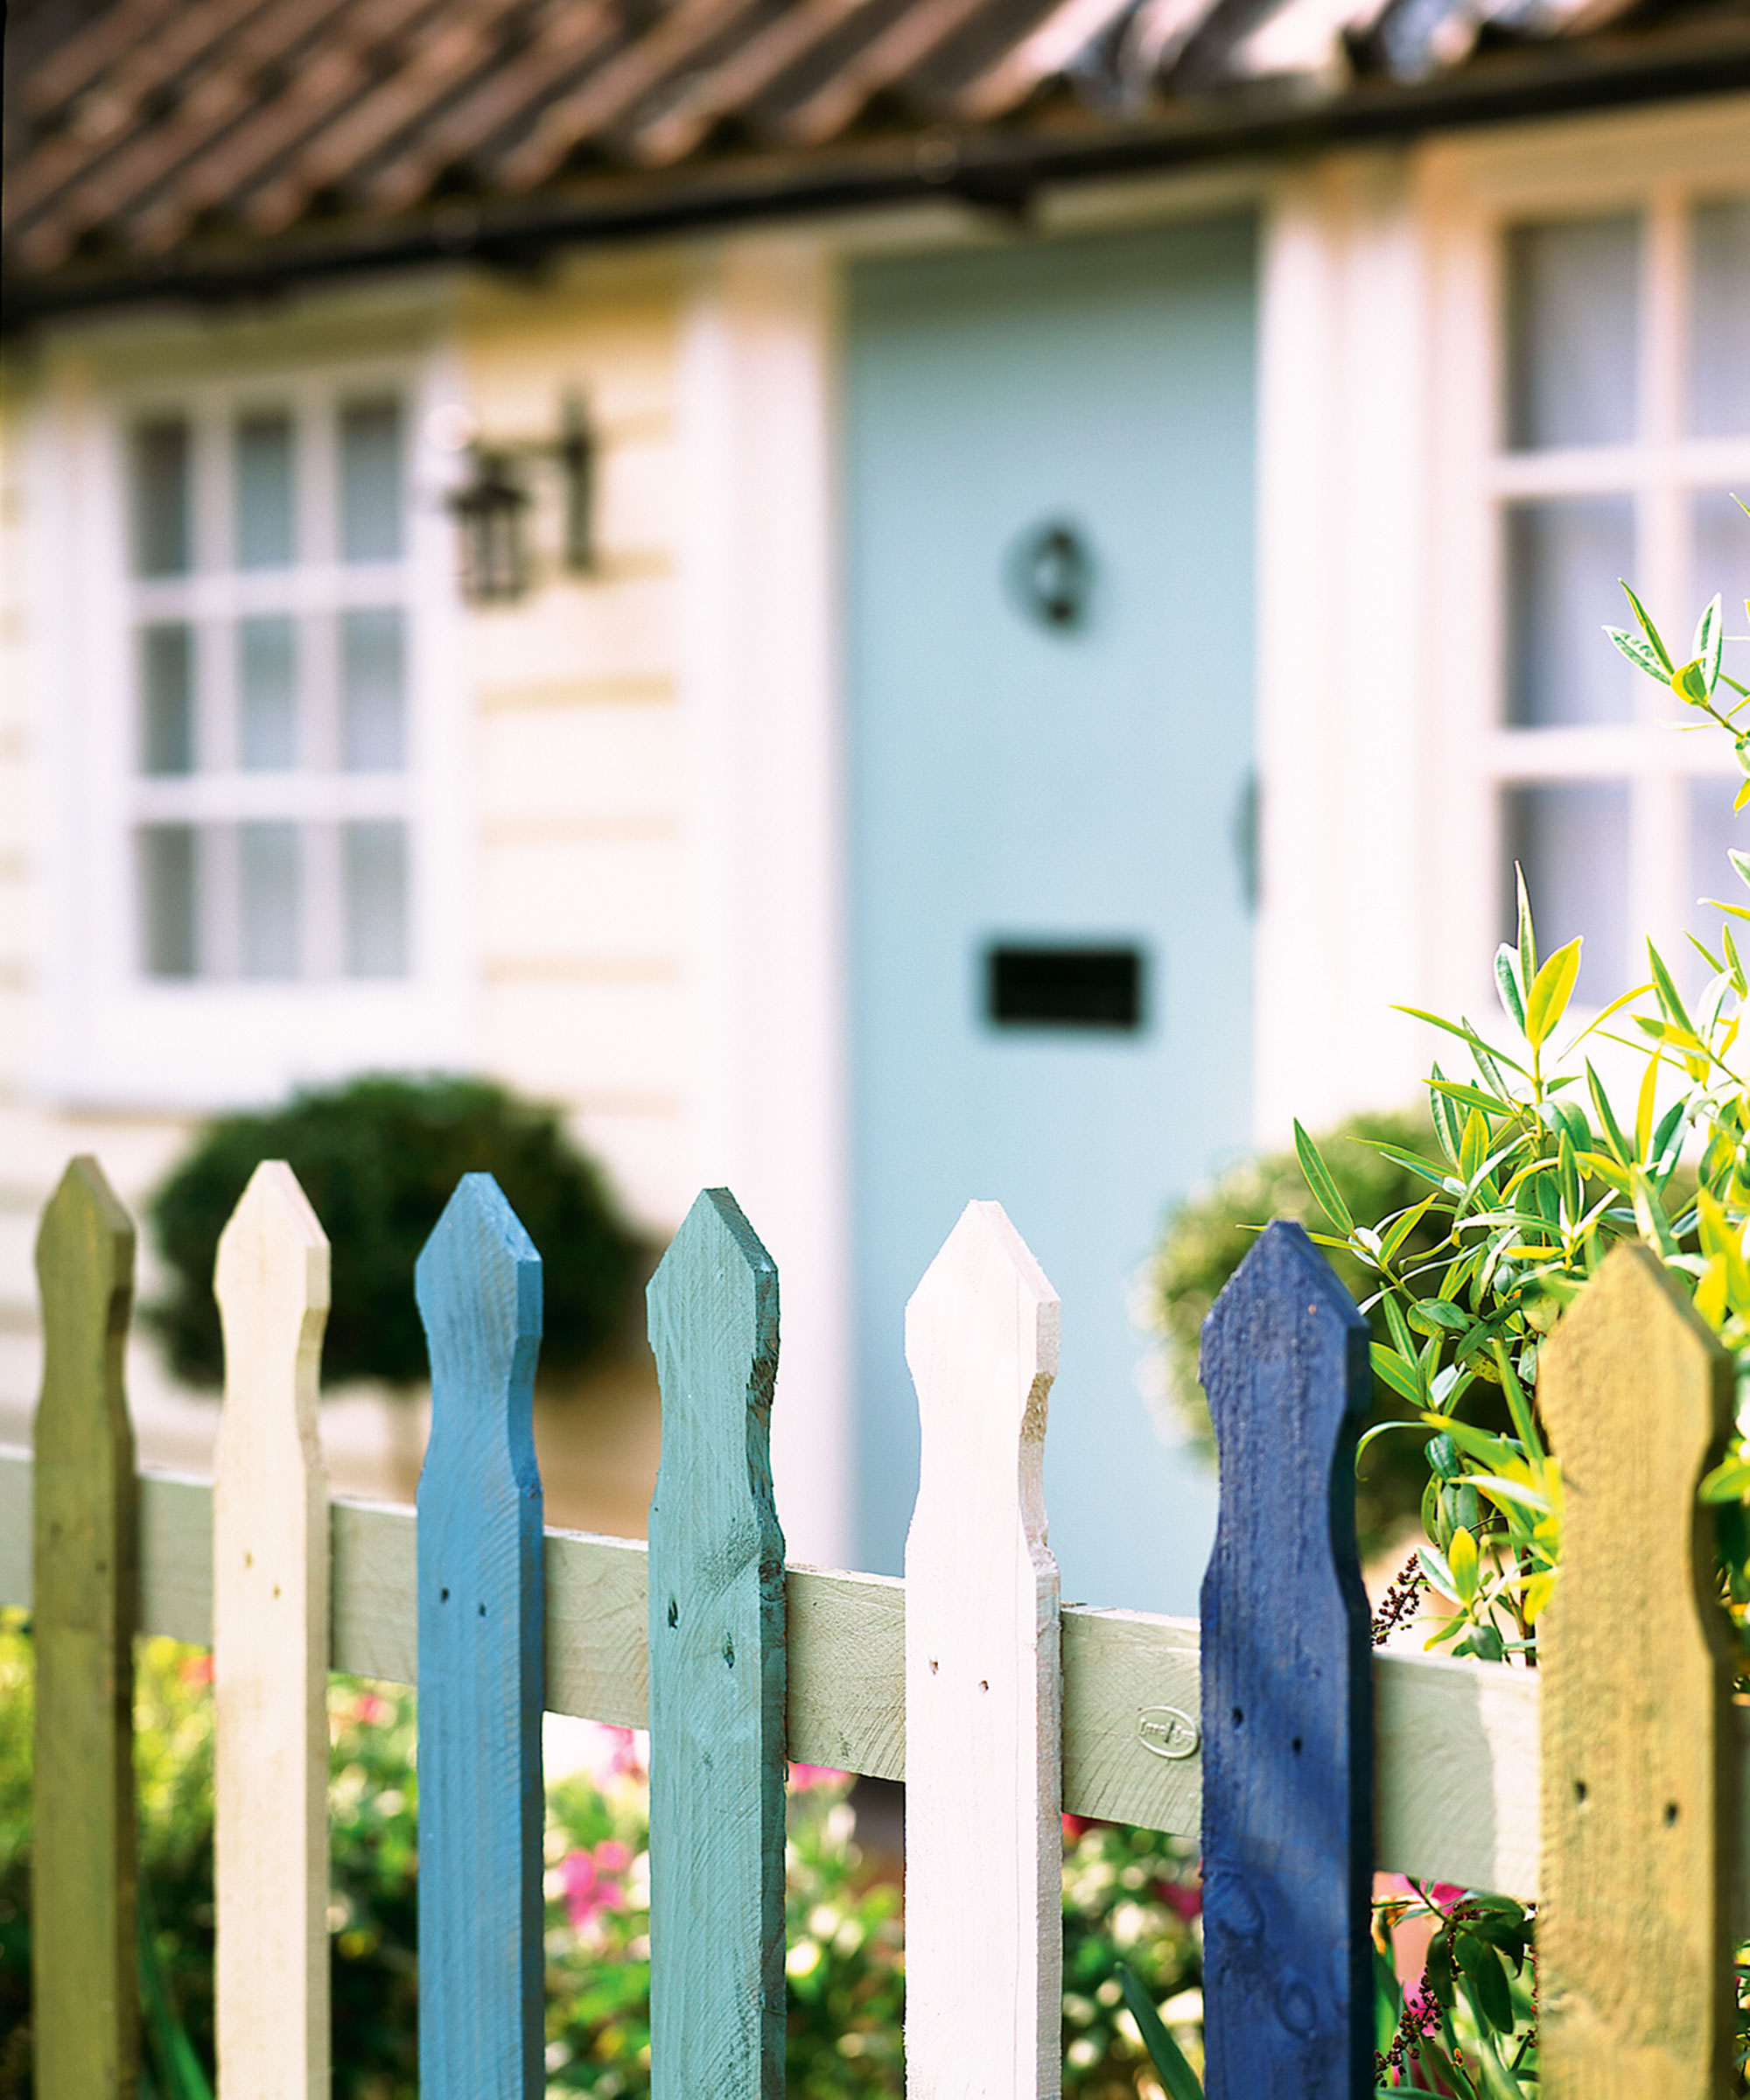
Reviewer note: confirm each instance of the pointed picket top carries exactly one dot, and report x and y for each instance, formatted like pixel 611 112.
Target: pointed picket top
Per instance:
pixel 481 1628
pixel 1287 1712
pixel 717 1677
pixel 1640 1773
pixel 983 1692
pixel 271 1651
pixel 86 2017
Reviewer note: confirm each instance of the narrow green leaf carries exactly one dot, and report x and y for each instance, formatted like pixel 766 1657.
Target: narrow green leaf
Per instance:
pixel 1648 628
pixel 1390 1368
pixel 1666 988
pixel 1639 653
pixel 1507 985
pixel 1176 2075
pixel 1710 637
pixel 1550 994
pixel 1528 939
pixel 1318 1180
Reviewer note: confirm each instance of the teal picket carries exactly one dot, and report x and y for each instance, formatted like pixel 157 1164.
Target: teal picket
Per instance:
pixel 481 1613
pixel 717 1670
pixel 1287 1712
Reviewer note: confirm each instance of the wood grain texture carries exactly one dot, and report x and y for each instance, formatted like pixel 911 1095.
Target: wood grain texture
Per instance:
pixel 85 2020
pixel 1287 1719
pixel 983 1693
pixel 271 1651
pixel 1456 1740
pixel 717 1669
pixel 481 1630
pixel 1638 1792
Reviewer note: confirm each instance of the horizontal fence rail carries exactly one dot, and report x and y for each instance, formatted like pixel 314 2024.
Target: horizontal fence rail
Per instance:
pixel 1456 1755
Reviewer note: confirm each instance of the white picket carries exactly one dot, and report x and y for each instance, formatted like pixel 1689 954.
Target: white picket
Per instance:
pixel 271 1651
pixel 983 1697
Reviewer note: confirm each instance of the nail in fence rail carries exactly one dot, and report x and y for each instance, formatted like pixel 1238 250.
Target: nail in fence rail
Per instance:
pixel 1640 1794
pixel 1287 1690
pixel 271 1652
pixel 86 2008
pixel 481 1619
pixel 983 1692
pixel 717 1676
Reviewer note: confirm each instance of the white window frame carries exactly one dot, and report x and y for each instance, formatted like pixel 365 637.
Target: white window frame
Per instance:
pixel 116 1037
pixel 1658 164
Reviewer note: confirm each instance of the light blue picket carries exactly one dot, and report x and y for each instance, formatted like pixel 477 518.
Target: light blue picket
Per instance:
pixel 1286 1690
pixel 482 1608
pixel 717 1670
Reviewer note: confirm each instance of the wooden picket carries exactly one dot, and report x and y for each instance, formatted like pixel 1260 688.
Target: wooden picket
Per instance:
pixel 983 1695
pixel 1639 1775
pixel 271 1652
pixel 717 1669
pixel 1306 1759
pixel 86 2023
pixel 481 1619
pixel 1287 1719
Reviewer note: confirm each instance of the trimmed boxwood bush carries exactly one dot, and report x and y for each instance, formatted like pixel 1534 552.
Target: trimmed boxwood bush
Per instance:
pixel 379 1159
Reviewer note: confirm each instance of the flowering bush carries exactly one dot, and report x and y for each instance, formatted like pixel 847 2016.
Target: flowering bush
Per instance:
pixel 1129 1893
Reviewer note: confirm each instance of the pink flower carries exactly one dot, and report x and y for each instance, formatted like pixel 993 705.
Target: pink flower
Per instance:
pixel 589 1881
pixel 369 1709
pixel 196 1669
pixel 1183 1898
pixel 804 1776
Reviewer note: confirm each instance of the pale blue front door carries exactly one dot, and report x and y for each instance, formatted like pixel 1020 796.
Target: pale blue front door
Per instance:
pixel 1049 589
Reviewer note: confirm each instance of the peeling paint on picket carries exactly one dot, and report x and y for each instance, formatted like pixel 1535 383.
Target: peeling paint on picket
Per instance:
pixel 481 1616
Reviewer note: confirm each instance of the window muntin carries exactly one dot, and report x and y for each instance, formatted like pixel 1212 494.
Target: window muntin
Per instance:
pixel 271 750
pixel 1624 424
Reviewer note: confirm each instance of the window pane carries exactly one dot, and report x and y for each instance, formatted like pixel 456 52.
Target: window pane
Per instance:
pixel 263 492
pixel 374 858
pixel 1719 348
pixel 268 875
pixel 1572 839
pixel 167 698
pixel 1721 558
pixel 370 481
pixel 167 899
pixel 1564 560
pixel 163 533
pixel 267 693
pixel 371 680
pixel 1571 300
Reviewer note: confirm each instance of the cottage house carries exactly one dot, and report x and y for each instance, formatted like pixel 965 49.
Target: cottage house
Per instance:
pixel 890 599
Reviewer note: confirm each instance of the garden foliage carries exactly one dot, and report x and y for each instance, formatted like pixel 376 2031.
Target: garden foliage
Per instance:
pixel 379 1157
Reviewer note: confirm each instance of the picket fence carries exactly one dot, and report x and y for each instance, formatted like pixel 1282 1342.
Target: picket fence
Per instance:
pixel 1303 1758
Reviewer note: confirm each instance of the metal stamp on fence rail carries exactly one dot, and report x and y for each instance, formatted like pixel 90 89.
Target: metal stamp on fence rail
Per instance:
pixel 1167 1731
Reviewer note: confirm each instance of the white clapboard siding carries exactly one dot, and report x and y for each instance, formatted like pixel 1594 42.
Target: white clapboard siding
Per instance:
pixel 984 1700
pixel 270 1577
pixel 1456 1796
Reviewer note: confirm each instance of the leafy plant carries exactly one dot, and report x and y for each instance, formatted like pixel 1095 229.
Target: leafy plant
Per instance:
pixel 1541 1173
pixel 1208 1236
pixel 379 1157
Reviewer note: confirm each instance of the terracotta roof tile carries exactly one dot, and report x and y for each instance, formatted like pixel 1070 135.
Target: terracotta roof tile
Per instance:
pixel 143 127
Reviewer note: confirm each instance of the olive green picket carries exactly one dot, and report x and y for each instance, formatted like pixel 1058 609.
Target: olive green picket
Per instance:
pixel 1639 1779
pixel 86 2009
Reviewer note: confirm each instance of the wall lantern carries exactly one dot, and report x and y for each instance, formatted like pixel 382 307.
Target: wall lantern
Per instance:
pixel 491 508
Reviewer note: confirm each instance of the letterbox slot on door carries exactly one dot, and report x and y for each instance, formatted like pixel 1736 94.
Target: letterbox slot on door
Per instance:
pixel 1036 987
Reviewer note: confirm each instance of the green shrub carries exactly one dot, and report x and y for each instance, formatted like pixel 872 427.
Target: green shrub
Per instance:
pixel 379 1157
pixel 1208 1236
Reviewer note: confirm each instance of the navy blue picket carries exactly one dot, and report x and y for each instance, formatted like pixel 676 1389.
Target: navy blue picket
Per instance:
pixel 1287 1719
pixel 482 1608
pixel 717 1670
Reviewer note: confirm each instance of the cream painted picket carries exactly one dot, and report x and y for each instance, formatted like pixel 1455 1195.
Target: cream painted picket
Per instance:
pixel 1014 1708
